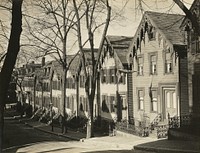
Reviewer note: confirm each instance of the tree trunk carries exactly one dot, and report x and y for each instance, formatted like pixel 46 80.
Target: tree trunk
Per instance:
pixel 63 99
pixel 90 91
pixel 9 62
pixel 190 16
pixel 34 93
pixel 90 122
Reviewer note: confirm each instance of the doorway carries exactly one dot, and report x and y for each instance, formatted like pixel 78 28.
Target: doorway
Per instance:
pixel 170 105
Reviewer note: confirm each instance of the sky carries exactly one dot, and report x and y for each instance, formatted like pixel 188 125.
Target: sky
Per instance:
pixel 131 15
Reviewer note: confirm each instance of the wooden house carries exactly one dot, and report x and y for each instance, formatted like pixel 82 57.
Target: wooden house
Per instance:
pixel 159 56
pixel 115 95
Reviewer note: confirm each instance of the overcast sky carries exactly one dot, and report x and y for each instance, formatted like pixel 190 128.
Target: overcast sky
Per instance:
pixel 131 15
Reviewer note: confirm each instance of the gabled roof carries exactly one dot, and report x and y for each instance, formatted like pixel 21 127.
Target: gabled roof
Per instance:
pixel 169 25
pixel 120 45
pixel 119 41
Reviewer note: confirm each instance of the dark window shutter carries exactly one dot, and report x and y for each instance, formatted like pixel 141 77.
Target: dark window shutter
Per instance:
pixel 102 76
pixel 108 75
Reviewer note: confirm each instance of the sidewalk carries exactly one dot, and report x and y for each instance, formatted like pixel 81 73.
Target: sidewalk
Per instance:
pixel 73 135
pixel 120 142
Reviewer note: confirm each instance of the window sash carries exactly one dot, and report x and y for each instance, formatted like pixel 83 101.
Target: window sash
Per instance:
pixel 140 69
pixel 141 99
pixel 153 68
pixel 168 67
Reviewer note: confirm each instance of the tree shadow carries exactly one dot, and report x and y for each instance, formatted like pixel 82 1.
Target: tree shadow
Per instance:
pixel 111 151
pixel 17 135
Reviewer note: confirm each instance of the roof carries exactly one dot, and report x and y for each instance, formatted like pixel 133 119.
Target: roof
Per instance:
pixel 119 41
pixel 120 44
pixel 169 25
pixel 88 53
pixel 75 64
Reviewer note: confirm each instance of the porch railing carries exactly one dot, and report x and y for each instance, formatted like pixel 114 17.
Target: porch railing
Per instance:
pixel 161 129
pixel 179 121
pixel 173 123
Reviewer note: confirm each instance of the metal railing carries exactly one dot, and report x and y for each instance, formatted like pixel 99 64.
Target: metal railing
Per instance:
pixel 161 129
pixel 140 130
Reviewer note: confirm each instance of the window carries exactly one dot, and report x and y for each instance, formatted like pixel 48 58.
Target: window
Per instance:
pixel 152 33
pixel 153 67
pixel 68 102
pixel 82 81
pixel 174 99
pixel 154 100
pixel 58 85
pixel 81 104
pixel 86 104
pixel 140 65
pixel 168 63
pixel 112 76
pixel 122 78
pixel 168 99
pixel 141 99
pixel 103 76
pixel 112 103
pixel 104 104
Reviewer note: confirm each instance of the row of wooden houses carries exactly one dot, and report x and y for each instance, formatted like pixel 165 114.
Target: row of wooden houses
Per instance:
pixel 154 73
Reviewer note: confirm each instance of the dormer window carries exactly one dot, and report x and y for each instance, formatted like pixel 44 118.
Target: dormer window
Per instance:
pixel 152 33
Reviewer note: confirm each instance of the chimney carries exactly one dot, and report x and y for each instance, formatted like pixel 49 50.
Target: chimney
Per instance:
pixel 43 61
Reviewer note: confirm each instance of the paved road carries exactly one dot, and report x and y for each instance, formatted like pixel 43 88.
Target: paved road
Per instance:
pixel 22 138
pixel 17 134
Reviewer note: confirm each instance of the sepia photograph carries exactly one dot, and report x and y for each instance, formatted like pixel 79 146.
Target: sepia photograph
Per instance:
pixel 100 76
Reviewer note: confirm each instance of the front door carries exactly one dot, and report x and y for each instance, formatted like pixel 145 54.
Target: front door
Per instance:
pixel 170 103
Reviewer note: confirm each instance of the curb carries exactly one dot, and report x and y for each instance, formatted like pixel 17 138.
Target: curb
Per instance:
pixel 163 150
pixel 50 132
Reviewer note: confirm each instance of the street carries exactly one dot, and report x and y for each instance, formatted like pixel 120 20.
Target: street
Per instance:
pixel 22 138
pixel 18 134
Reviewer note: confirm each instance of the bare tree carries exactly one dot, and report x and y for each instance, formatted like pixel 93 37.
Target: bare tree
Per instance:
pixel 54 36
pixel 92 7
pixel 26 53
pixel 10 59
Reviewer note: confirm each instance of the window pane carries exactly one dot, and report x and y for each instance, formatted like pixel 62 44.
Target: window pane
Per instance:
pixel 141 99
pixel 140 60
pixel 141 104
pixel 154 108
pixel 168 99
pixel 174 99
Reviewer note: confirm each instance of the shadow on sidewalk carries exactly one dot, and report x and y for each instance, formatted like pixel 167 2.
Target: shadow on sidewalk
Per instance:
pixel 170 146
pixel 111 151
